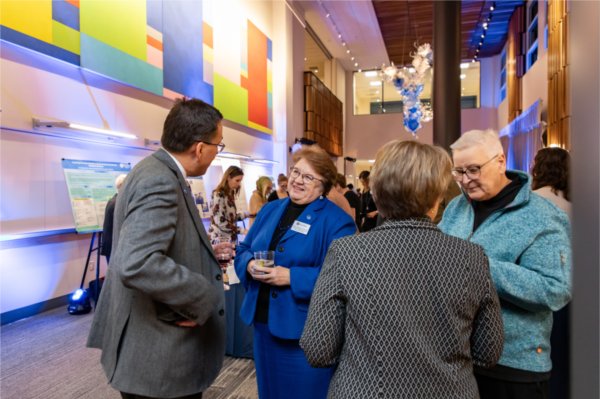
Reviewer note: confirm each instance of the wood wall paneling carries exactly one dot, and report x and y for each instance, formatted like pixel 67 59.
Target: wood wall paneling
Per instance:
pixel 323 115
pixel 559 109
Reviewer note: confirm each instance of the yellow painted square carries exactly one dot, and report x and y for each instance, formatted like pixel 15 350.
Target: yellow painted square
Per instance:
pixel 32 18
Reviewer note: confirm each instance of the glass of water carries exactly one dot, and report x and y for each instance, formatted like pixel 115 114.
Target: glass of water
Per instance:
pixel 264 258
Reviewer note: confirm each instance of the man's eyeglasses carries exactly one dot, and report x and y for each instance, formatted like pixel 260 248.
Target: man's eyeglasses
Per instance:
pixel 306 178
pixel 220 146
pixel 472 171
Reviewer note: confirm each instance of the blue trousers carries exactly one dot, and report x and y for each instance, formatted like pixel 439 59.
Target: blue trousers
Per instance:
pixel 282 371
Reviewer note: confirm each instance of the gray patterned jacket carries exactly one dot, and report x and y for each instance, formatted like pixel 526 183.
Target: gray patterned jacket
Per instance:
pixel 405 311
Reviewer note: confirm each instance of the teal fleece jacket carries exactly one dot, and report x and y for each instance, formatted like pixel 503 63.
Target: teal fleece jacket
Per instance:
pixel 528 246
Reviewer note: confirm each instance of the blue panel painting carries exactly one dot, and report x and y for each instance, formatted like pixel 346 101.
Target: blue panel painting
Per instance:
pixel 19 38
pixel 154 14
pixel 182 49
pixel 65 13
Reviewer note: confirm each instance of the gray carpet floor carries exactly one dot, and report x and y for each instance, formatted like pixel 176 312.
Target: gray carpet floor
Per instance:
pixel 44 357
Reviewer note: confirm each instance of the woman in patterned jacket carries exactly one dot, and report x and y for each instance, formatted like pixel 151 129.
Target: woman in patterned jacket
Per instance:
pixel 223 222
pixel 404 311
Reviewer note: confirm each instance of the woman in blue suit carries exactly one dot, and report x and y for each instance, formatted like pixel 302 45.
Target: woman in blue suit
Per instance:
pixel 299 229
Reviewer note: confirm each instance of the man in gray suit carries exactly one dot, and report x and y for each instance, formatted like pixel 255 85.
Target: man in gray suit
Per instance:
pixel 160 320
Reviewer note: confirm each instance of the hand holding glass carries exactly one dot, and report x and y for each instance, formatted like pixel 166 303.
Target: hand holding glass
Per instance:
pixel 264 258
pixel 224 253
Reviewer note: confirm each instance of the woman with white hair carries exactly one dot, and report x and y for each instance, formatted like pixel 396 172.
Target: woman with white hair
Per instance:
pixel 527 242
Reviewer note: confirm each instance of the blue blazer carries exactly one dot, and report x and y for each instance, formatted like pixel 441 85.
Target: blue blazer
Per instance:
pixel 302 253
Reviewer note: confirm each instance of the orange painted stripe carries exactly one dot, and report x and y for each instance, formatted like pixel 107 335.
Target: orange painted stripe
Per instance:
pixel 243 82
pixel 73 2
pixel 154 43
pixel 207 34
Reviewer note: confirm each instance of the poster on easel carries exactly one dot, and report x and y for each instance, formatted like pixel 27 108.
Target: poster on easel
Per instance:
pixel 200 197
pixel 91 184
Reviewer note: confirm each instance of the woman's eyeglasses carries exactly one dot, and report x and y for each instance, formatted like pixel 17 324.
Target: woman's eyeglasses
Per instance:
pixel 472 171
pixel 306 178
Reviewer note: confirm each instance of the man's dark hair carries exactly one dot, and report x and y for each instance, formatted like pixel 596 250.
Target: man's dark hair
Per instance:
pixel 364 175
pixel 189 121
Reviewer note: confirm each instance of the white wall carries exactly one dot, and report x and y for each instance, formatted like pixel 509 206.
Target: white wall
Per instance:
pixel 33 193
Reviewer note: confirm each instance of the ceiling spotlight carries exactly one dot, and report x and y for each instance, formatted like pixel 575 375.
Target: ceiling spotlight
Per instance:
pixel 462 76
pixel 356 64
pixel 475 56
pixel 327 15
pixel 473 60
pixel 352 58
pixel 359 70
pixel 480 43
pixel 339 35
pixel 493 7
pixel 483 35
pixel 347 51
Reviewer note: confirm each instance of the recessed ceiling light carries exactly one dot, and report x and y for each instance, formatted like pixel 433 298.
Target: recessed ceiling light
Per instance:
pixel 371 74
pixel 464 65
pixel 375 83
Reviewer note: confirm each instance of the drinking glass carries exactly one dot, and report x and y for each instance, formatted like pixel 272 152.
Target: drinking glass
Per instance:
pixel 264 258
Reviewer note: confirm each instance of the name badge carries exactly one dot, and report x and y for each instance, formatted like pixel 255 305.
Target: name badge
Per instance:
pixel 300 227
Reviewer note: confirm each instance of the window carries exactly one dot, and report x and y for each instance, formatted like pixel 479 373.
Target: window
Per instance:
pixel 503 75
pixel 372 95
pixel 532 34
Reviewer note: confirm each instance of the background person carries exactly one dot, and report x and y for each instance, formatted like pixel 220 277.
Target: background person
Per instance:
pixel 160 320
pixel 550 172
pixel 350 196
pixel 368 208
pixel 336 195
pixel 404 311
pixel 528 245
pixel 223 222
pixel 299 230
pixel 109 212
pixel 264 186
pixel 281 192
pixel 550 176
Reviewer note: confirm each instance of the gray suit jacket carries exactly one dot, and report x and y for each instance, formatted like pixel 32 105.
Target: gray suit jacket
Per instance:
pixel 162 270
pixel 405 311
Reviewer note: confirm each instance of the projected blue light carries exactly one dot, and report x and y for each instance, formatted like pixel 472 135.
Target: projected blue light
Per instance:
pixel 77 295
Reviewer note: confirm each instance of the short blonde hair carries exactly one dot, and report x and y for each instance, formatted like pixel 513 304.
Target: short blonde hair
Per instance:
pixel 408 178
pixel 488 140
pixel 320 161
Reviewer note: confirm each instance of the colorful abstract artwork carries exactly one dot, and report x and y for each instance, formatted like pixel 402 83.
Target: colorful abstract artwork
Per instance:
pixel 170 48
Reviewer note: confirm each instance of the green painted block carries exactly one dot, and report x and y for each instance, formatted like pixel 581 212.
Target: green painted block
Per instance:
pixel 231 100
pixel 104 59
pixel 65 37
pixel 120 24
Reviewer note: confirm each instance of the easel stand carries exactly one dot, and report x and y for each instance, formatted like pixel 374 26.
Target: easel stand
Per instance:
pixel 96 234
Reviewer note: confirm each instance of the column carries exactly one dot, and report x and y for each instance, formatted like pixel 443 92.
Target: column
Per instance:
pixel 446 72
